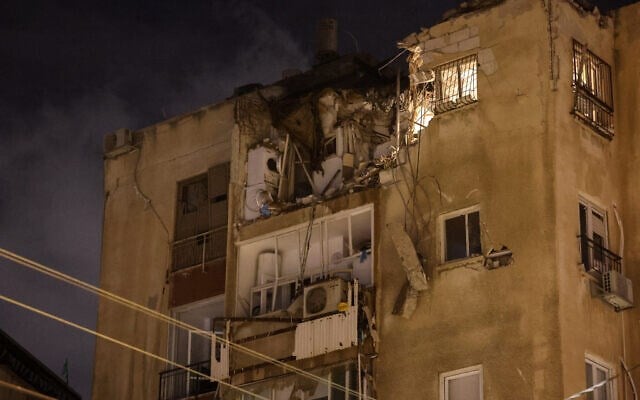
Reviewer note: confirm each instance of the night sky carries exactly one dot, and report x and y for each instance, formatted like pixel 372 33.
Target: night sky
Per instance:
pixel 72 71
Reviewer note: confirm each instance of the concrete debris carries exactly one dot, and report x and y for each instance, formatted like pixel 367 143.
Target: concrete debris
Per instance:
pixel 406 302
pixel 311 145
pixel 321 146
pixel 408 256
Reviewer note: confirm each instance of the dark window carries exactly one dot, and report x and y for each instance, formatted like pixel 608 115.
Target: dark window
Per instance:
pixel 462 236
pixel 592 86
pixel 456 238
pixel 201 218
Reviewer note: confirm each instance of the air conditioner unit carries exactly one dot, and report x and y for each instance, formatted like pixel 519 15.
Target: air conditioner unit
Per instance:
pixel 617 290
pixel 118 142
pixel 324 297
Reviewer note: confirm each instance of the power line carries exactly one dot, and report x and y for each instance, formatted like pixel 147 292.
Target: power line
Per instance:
pixel 169 320
pixel 20 389
pixel 598 385
pixel 123 344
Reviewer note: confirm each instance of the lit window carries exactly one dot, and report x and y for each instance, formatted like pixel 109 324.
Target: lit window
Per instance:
pixel 462 384
pixel 456 84
pixel 461 234
pixel 593 90
pixel 597 373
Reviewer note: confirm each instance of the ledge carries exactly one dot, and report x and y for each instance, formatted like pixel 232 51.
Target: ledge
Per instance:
pixel 475 263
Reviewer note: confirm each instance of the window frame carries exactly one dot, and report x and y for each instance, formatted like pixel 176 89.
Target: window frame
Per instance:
pixel 588 254
pixel 592 83
pixel 443 232
pixel 445 377
pixel 359 225
pixel 593 207
pixel 461 99
pixel 596 364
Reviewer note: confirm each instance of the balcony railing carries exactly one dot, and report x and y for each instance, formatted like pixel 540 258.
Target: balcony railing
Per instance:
pixel 594 113
pixel 598 259
pixel 199 249
pixel 180 384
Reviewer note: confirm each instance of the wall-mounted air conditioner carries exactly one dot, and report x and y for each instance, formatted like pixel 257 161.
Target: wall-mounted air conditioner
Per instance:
pixel 324 297
pixel 118 142
pixel 617 290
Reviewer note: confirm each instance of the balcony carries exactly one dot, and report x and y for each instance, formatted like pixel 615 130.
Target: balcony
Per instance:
pixel 597 259
pixel 594 113
pixel 200 249
pixel 180 384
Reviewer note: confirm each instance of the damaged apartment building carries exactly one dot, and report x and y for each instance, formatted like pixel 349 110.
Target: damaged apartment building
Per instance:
pixel 467 230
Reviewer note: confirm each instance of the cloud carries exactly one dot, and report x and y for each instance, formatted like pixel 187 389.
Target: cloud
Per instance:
pixel 51 194
pixel 51 210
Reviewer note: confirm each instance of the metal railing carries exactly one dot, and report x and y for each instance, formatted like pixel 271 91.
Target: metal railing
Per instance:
pixel 592 85
pixel 456 84
pixel 588 109
pixel 200 248
pixel 180 384
pixel 596 258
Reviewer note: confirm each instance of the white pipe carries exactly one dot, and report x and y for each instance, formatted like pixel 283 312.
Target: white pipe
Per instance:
pixel 633 384
pixel 621 253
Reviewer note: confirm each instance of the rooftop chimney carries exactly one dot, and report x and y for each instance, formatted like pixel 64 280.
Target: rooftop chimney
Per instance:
pixel 326 40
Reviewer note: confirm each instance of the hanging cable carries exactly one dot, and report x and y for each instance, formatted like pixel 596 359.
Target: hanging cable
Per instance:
pixel 167 319
pixel 307 244
pixel 124 344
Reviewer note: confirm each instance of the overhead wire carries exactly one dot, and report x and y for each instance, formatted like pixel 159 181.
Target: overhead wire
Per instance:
pixel 124 344
pixel 598 385
pixel 169 320
pixel 20 389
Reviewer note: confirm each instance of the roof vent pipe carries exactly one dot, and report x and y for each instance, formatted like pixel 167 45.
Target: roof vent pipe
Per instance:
pixel 326 40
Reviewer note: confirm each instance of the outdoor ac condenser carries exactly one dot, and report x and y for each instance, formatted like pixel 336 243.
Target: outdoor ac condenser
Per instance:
pixel 118 142
pixel 617 290
pixel 324 297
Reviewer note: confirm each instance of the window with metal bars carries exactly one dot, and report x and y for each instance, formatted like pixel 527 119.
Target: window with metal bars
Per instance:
pixel 593 90
pixel 456 84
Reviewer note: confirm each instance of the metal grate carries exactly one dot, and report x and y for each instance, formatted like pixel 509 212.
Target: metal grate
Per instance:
pixel 456 84
pixel 593 90
pixel 596 258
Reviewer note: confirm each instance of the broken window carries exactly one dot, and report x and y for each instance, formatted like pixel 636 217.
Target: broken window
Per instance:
pixel 597 373
pixel 462 384
pixel 461 233
pixel 456 84
pixel 593 91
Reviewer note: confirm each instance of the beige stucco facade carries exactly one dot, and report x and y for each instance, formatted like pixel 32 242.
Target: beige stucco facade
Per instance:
pixel 518 156
pixel 139 218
